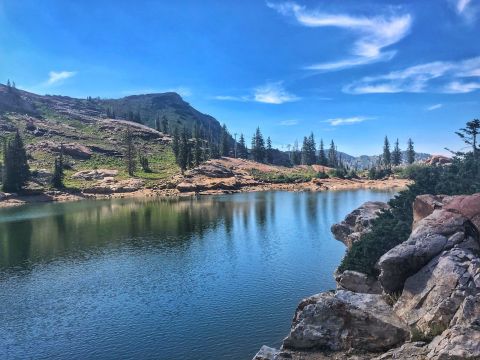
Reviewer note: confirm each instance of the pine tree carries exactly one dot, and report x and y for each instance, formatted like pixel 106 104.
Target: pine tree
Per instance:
pixel 184 152
pixel 258 146
pixel 469 135
pixel 296 155
pixel 224 141
pixel 157 123
pixel 144 163
pixel 309 150
pixel 332 156
pixel 176 143
pixel 322 157
pixel 242 148
pixel 58 174
pixel 410 152
pixel 165 124
pixel 387 156
pixel 16 172
pixel 129 152
pixel 397 154
pixel 269 151
pixel 197 151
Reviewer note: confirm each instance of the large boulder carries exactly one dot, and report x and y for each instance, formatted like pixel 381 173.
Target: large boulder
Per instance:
pixel 345 320
pixel 211 170
pixel 437 232
pixel 456 343
pixel 432 297
pixel 358 222
pixel 425 205
pixel 97 174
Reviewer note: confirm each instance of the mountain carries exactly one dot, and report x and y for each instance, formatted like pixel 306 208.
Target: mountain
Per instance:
pixel 367 161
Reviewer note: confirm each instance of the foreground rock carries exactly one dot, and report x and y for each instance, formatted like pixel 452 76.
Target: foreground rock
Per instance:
pixel 345 320
pixel 358 222
pixel 358 282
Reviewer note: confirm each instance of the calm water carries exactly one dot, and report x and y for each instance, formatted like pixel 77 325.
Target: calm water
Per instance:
pixel 213 278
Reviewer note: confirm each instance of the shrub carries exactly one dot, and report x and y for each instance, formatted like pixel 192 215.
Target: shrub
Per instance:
pixel 322 175
pixel 393 226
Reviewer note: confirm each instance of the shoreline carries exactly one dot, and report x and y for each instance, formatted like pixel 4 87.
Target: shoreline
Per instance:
pixel 12 200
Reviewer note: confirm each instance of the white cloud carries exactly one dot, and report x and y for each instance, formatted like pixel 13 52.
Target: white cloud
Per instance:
pixel 347 121
pixel 273 93
pixel 434 107
pixel 55 77
pixel 457 87
pixel 270 93
pixel 438 76
pixel 374 33
pixel 291 122
pixel 462 5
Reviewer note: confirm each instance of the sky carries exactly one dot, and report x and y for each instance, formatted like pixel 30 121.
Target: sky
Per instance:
pixel 348 70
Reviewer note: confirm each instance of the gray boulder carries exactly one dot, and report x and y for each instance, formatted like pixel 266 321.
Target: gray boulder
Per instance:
pixel 437 232
pixel 345 320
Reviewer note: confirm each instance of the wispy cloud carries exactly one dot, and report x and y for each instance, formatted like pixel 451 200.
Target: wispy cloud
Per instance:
pixel 273 93
pixel 291 122
pixel 438 76
pixel 55 77
pixel 434 107
pixel 347 121
pixel 374 33
pixel 270 93
pixel 466 9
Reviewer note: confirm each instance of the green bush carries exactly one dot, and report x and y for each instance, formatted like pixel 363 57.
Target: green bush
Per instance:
pixel 394 226
pixel 322 175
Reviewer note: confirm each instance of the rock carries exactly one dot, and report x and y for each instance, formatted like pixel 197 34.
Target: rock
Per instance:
pixel 467 205
pixel 345 320
pixel 456 343
pixel 266 353
pixel 432 297
pixel 358 282
pixel 438 160
pixel 109 187
pixel 437 232
pixel 207 185
pixel 97 174
pixel 469 312
pixel 3 196
pixel 410 351
pixel 424 205
pixel 358 222
pixel 211 170
pixel 74 150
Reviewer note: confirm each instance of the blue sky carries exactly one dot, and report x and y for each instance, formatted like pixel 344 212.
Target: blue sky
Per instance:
pixel 353 71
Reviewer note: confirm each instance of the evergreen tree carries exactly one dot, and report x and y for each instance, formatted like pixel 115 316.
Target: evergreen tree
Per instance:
pixel 16 171
pixel 296 155
pixel 197 151
pixel 165 124
pixel 387 155
pixel 157 123
pixel 309 150
pixel 269 151
pixel 242 148
pixel 332 156
pixel 469 135
pixel 322 157
pixel 258 146
pixel 184 152
pixel 58 174
pixel 397 154
pixel 176 143
pixel 224 141
pixel 410 152
pixel 129 152
pixel 144 163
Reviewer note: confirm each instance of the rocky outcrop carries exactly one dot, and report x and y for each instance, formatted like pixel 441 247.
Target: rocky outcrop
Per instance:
pixel 358 222
pixel 436 276
pixel 438 160
pixel 98 174
pixel 453 219
pixel 77 151
pixel 345 320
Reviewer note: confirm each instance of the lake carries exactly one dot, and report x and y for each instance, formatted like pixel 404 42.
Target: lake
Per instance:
pixel 208 278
